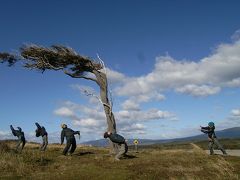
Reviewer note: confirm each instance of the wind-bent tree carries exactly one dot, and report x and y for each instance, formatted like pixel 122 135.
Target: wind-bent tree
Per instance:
pixel 67 60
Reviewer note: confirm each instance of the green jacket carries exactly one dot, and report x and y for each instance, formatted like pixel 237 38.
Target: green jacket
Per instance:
pixel 68 133
pixel 116 138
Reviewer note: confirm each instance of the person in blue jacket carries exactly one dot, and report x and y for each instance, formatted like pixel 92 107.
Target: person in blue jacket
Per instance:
pixel 71 141
pixel 21 138
pixel 212 138
pixel 119 141
pixel 41 131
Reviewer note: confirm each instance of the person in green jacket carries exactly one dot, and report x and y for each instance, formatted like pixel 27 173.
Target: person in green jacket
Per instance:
pixel 71 141
pixel 21 138
pixel 119 141
pixel 212 138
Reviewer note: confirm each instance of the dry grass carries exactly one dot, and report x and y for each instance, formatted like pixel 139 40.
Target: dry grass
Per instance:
pixel 95 163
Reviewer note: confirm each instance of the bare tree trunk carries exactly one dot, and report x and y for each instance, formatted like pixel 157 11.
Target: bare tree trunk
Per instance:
pixel 102 82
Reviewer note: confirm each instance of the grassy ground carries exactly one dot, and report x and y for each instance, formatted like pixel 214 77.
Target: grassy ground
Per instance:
pixel 95 163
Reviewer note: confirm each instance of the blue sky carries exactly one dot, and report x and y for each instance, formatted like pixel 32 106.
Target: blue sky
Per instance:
pixel 173 65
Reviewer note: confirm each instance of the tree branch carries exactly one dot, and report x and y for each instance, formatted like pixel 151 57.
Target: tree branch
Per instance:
pixel 80 76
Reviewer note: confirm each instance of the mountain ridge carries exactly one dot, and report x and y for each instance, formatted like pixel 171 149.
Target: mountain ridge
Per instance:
pixel 225 133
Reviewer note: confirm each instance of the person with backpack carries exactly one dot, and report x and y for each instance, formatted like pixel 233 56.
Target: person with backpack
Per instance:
pixel 41 131
pixel 119 141
pixel 21 138
pixel 71 141
pixel 212 138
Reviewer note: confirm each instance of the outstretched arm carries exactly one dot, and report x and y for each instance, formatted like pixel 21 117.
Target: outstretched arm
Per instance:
pixel 77 132
pixel 205 128
pixel 204 131
pixel 13 130
pixel 38 126
pixel 11 127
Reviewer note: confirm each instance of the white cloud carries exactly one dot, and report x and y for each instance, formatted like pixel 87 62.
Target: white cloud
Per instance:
pixel 236 35
pixel 114 76
pixel 195 90
pixel 133 129
pixel 210 74
pixel 93 120
pixel 235 112
pixel 130 105
pixel 233 120
pixel 133 103
pixel 147 115
pixel 64 112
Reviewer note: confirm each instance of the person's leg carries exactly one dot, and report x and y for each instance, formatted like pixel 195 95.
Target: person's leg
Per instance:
pixel 45 143
pixel 18 143
pixel 122 149
pixel 126 148
pixel 65 151
pixel 23 143
pixel 219 146
pixel 210 146
pixel 73 146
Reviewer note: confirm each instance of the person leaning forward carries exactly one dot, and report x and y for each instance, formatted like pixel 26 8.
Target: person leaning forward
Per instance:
pixel 212 138
pixel 119 141
pixel 71 141
pixel 41 131
pixel 21 138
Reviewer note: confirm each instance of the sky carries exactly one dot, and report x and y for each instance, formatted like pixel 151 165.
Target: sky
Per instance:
pixel 172 66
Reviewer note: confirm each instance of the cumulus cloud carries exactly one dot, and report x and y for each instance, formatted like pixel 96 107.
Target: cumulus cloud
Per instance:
pixel 93 120
pixel 114 76
pixel 195 90
pixel 5 135
pixel 133 103
pixel 134 128
pixel 235 113
pixel 210 74
pixel 144 115
pixel 233 120
pixel 236 35
pixel 64 112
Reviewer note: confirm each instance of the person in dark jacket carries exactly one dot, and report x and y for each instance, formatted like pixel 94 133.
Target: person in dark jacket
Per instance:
pixel 119 141
pixel 21 138
pixel 212 138
pixel 71 141
pixel 41 131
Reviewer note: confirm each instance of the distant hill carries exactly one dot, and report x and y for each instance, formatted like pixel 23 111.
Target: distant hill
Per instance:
pixel 231 133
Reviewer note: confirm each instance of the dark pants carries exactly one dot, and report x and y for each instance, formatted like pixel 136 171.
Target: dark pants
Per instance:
pixel 219 146
pixel 70 143
pixel 21 140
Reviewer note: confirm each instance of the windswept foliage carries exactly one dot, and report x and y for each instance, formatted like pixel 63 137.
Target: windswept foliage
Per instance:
pixel 56 57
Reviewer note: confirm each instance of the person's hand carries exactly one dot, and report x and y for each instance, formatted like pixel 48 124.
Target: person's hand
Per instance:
pixel 210 139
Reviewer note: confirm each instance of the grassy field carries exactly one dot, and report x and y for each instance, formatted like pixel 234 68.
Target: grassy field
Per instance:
pixel 177 162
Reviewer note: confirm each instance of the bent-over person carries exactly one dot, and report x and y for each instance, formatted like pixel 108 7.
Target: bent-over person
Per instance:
pixel 21 138
pixel 119 141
